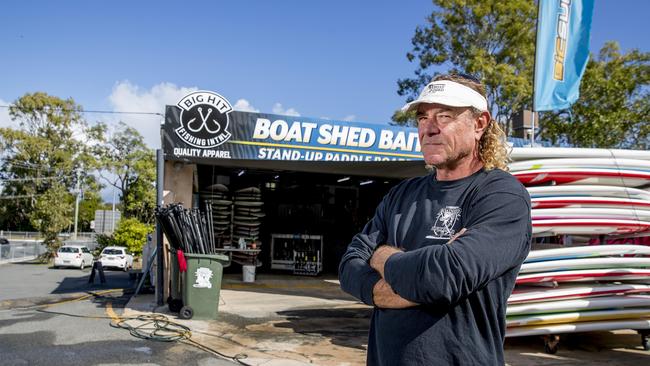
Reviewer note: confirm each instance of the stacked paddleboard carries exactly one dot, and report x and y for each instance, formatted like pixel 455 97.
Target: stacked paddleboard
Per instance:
pixel 219 197
pixel 587 196
pixel 248 214
pixel 577 289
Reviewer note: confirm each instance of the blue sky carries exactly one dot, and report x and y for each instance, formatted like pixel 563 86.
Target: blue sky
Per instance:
pixel 334 59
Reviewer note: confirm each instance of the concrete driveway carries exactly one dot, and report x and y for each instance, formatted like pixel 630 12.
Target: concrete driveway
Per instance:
pixel 54 317
pixel 32 280
pixel 286 320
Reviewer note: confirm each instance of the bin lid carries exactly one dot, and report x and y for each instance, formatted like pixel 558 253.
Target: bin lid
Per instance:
pixel 218 257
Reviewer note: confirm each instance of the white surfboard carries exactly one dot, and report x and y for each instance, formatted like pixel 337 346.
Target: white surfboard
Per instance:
pixel 580 163
pixel 567 292
pixel 588 191
pixel 585 202
pixel 530 153
pixel 593 303
pixel 602 226
pixel 586 263
pixel 614 177
pixel 588 251
pixel 586 275
pixel 591 213
pixel 577 316
pixel 577 327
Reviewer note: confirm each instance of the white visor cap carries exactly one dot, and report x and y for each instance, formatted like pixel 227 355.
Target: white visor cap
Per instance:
pixel 449 93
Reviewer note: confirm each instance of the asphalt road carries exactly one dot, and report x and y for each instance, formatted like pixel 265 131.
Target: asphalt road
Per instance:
pixel 54 317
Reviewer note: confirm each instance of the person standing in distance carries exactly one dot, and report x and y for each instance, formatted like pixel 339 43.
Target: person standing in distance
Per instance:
pixel 439 259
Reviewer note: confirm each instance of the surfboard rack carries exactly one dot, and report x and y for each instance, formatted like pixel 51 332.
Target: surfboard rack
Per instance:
pixel 645 338
pixel 551 343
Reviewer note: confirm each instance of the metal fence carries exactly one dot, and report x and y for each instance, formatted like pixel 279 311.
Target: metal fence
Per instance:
pixel 35 235
pixel 20 251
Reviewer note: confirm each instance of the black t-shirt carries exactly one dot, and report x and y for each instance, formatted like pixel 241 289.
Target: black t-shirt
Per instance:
pixel 462 287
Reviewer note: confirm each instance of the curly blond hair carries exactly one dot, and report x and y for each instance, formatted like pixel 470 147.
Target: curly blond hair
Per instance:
pixel 493 148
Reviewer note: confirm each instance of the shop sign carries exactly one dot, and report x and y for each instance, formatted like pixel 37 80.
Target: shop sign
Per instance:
pixel 203 126
pixel 203 119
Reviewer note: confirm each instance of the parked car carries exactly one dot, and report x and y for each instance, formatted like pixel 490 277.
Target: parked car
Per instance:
pixel 73 256
pixel 4 240
pixel 116 257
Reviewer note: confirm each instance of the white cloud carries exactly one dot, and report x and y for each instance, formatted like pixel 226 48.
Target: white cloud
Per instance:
pixel 350 118
pixel 278 109
pixel 5 121
pixel 127 97
pixel 245 106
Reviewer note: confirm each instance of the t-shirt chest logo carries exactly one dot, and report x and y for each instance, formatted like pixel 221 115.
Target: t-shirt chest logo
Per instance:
pixel 443 228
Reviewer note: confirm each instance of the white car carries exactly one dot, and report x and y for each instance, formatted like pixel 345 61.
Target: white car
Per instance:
pixel 73 256
pixel 116 257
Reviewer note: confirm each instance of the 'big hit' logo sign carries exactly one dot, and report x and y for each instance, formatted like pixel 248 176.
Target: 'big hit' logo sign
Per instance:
pixel 204 119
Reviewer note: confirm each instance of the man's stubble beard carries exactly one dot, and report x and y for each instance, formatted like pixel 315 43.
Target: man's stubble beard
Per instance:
pixel 450 163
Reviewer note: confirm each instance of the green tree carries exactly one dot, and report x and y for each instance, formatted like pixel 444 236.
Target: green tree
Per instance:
pixel 613 110
pixel 491 39
pixel 132 234
pixel 46 152
pixel 87 207
pixel 131 168
pixel 51 214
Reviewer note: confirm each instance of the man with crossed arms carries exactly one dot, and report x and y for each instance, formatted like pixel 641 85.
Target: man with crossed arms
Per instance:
pixel 439 259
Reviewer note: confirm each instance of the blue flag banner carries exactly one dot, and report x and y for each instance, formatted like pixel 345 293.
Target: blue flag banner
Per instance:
pixel 561 53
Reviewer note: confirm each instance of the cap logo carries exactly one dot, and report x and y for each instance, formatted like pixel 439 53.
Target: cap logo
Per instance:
pixel 433 88
pixel 449 93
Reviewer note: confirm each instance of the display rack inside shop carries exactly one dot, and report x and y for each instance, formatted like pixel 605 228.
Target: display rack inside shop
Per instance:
pixel 236 216
pixel 247 215
pixel 217 196
pixel 299 253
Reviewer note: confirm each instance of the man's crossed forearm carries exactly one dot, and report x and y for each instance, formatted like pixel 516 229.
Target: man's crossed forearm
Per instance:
pixel 383 294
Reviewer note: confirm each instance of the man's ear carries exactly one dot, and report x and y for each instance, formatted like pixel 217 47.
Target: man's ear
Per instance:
pixel 480 124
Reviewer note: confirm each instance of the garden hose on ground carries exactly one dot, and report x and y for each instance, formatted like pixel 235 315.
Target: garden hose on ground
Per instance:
pixel 158 327
pixel 155 327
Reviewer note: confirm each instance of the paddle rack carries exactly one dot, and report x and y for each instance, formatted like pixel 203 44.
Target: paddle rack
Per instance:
pixel 299 253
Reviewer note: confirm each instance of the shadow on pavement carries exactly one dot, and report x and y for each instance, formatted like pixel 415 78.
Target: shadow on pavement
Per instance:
pixel 38 348
pixel 32 262
pixel 346 327
pixel 25 317
pixel 114 280
pixel 317 287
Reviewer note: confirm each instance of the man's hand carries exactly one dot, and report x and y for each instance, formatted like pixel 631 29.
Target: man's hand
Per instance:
pixel 380 256
pixel 384 297
pixel 457 235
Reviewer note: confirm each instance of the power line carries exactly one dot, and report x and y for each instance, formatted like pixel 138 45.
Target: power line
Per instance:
pixel 19 196
pixel 27 165
pixel 102 112
pixel 32 179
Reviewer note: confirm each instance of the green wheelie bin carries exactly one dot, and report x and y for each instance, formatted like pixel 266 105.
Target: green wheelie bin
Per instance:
pixel 202 285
